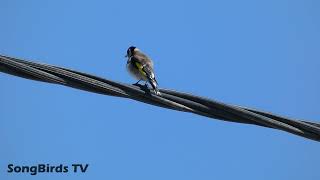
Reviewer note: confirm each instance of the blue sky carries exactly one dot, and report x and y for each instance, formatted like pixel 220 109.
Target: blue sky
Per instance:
pixel 260 54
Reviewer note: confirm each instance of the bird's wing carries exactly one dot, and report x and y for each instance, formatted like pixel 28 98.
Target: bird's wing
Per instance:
pixel 140 67
pixel 145 69
pixel 149 72
pixel 143 59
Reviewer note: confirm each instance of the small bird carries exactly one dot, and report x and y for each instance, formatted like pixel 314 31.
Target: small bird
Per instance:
pixel 140 66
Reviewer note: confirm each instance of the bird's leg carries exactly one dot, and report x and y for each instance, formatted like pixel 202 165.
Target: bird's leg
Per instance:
pixel 137 83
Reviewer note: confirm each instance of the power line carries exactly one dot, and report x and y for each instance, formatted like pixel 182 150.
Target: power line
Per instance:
pixel 169 99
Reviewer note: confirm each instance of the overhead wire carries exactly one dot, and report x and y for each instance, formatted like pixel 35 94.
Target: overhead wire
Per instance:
pixel 170 99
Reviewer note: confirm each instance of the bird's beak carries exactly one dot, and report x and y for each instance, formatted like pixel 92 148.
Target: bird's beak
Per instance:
pixel 126 56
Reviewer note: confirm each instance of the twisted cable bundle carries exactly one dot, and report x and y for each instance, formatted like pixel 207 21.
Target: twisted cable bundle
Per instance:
pixel 169 99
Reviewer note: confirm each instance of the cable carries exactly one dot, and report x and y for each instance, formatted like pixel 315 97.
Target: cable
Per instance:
pixel 169 99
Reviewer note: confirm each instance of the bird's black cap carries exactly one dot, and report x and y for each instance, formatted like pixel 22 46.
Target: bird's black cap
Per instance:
pixel 131 48
pixel 130 51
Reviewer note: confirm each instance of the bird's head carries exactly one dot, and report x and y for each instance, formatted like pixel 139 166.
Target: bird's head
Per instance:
pixel 131 50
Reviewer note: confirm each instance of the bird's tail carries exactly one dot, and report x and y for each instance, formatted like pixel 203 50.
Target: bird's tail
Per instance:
pixel 154 85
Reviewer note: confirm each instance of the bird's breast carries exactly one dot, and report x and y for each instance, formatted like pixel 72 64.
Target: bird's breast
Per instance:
pixel 135 72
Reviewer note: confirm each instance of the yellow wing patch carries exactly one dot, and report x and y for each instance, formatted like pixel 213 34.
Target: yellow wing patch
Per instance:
pixel 140 67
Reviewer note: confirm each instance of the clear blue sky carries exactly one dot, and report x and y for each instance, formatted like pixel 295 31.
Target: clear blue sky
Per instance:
pixel 261 54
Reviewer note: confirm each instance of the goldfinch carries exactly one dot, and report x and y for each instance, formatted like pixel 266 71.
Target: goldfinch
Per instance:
pixel 140 66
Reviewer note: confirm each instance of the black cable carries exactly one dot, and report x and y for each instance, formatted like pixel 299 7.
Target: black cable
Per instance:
pixel 169 99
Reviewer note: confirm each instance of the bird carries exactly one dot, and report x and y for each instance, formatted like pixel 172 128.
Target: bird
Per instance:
pixel 140 66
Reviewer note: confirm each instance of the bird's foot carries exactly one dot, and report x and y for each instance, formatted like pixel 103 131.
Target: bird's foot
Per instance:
pixel 137 83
